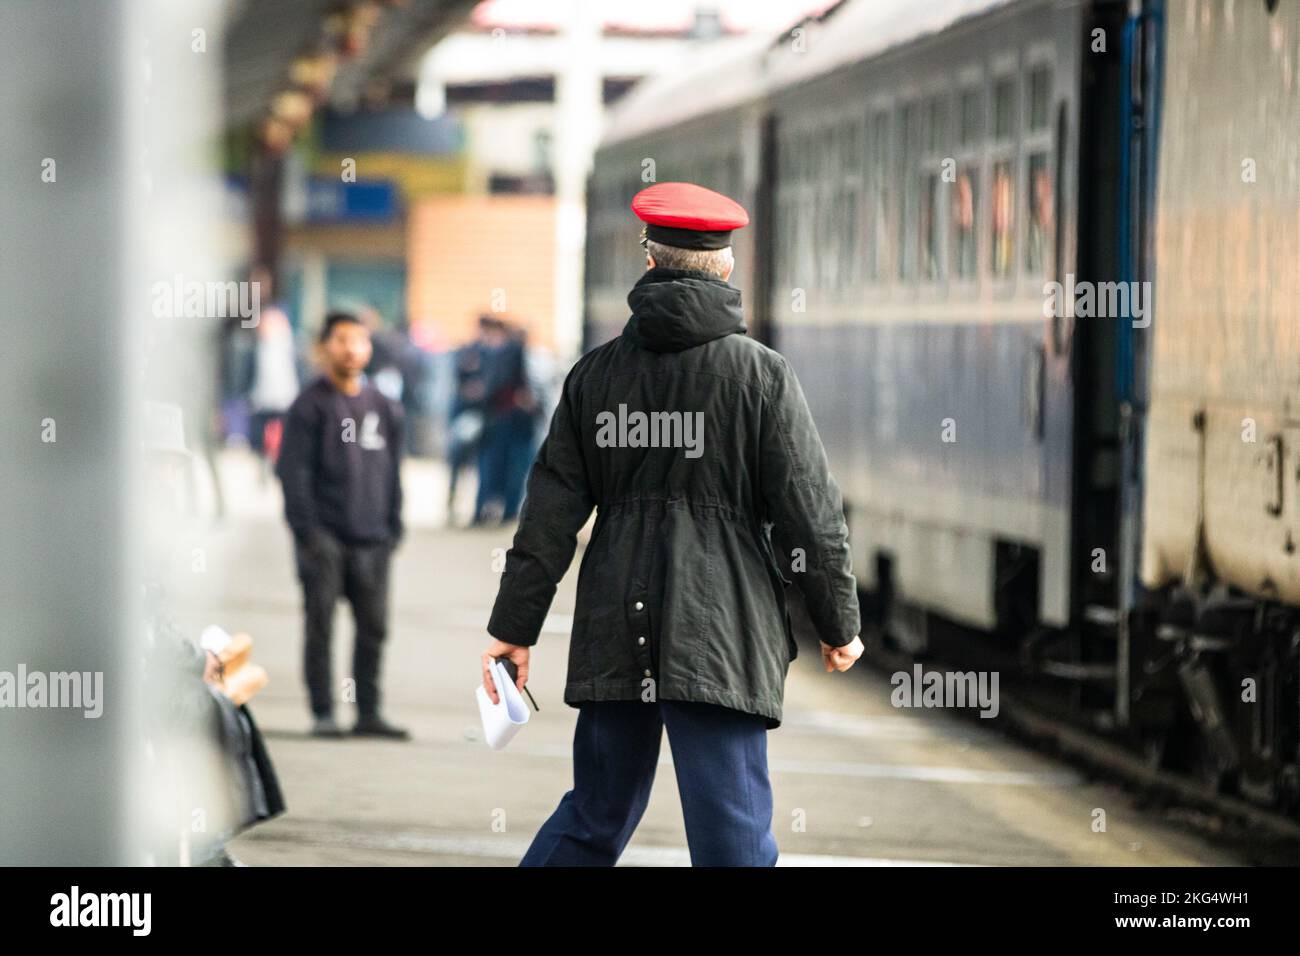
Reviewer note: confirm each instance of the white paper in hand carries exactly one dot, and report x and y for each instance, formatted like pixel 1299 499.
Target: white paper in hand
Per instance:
pixel 501 721
pixel 214 639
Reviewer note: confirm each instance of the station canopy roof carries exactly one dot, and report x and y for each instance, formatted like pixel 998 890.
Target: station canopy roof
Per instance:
pixel 263 40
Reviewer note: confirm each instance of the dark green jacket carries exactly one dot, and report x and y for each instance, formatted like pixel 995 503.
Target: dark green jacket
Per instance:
pixel 681 592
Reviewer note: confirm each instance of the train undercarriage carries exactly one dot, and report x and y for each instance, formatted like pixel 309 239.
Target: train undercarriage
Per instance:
pixel 1212 675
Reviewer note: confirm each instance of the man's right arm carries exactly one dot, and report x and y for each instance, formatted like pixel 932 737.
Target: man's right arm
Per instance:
pixel 296 468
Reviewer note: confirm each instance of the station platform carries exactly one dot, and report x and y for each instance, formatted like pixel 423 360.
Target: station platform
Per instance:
pixel 857 782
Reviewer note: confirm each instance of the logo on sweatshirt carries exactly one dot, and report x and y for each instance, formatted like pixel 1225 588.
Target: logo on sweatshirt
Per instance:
pixel 371 439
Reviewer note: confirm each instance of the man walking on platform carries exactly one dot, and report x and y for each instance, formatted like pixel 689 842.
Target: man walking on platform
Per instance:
pixel 340 468
pixel 697 448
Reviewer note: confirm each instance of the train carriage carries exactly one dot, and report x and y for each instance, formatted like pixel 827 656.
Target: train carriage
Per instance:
pixel 916 223
pixel 959 210
pixel 1220 517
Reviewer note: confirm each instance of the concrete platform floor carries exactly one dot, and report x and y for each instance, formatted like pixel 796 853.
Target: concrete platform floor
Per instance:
pixel 856 781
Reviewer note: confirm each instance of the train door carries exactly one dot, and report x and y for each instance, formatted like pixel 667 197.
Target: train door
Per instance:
pixel 1088 345
pixel 1114 140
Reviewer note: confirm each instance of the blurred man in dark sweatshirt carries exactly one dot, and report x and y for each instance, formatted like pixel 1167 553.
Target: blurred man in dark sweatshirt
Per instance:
pixel 340 467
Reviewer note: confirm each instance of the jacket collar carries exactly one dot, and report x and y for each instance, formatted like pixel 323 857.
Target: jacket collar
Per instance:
pixel 676 309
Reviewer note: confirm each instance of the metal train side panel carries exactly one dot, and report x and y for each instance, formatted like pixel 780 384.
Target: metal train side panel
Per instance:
pixel 943 398
pixel 1223 450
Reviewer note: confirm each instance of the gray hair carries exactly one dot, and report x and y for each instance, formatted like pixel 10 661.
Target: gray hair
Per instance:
pixel 716 262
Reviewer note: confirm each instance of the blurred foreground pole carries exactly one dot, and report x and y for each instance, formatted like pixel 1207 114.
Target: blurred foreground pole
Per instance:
pixel 64 396
pixel 579 105
pixel 98 111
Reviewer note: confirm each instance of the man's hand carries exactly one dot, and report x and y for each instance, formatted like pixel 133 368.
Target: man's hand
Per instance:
pixel 516 653
pixel 841 658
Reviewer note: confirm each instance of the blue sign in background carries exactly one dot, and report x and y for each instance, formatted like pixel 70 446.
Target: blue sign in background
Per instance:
pixel 332 200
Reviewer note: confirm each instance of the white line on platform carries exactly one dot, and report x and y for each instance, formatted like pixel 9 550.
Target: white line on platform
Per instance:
pixel 924 773
pixel 927 773
pixel 513 850
pixel 886 727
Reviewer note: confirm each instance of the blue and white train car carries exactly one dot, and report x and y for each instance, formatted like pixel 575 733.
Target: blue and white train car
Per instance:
pixel 959 212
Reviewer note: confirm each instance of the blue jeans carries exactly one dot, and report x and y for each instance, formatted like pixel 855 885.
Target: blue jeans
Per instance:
pixel 504 459
pixel 719 755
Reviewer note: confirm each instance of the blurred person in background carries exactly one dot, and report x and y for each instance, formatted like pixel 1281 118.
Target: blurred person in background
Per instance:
pixel 388 348
pixel 509 408
pixel 465 414
pixel 210 772
pixel 241 356
pixel 340 467
pixel 238 349
pixel 520 418
pixel 275 381
pixel 398 367
pixel 417 393
pixel 544 378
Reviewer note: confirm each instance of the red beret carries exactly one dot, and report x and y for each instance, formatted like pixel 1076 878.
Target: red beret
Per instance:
pixel 689 216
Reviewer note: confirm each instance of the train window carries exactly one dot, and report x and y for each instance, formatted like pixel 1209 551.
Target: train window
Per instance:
pixel 1039 188
pixel 838 151
pixel 787 177
pixel 965 204
pixel 826 252
pixel 936 117
pixel 877 224
pixel 848 242
pixel 790 212
pixel 1039 230
pixel 851 201
pixel 971 118
pixel 909 213
pixel 1004 108
pixel 1038 101
pixel 788 168
pixel 804 242
pixel 964 191
pixel 933 266
pixel 1002 200
pixel 733 175
pixel 780 239
pixel 1002 182
pixel 710 175
pixel 815 152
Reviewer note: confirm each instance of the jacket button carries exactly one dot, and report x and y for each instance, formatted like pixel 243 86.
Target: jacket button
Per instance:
pixel 640 606
pixel 641 640
pixel 647 672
